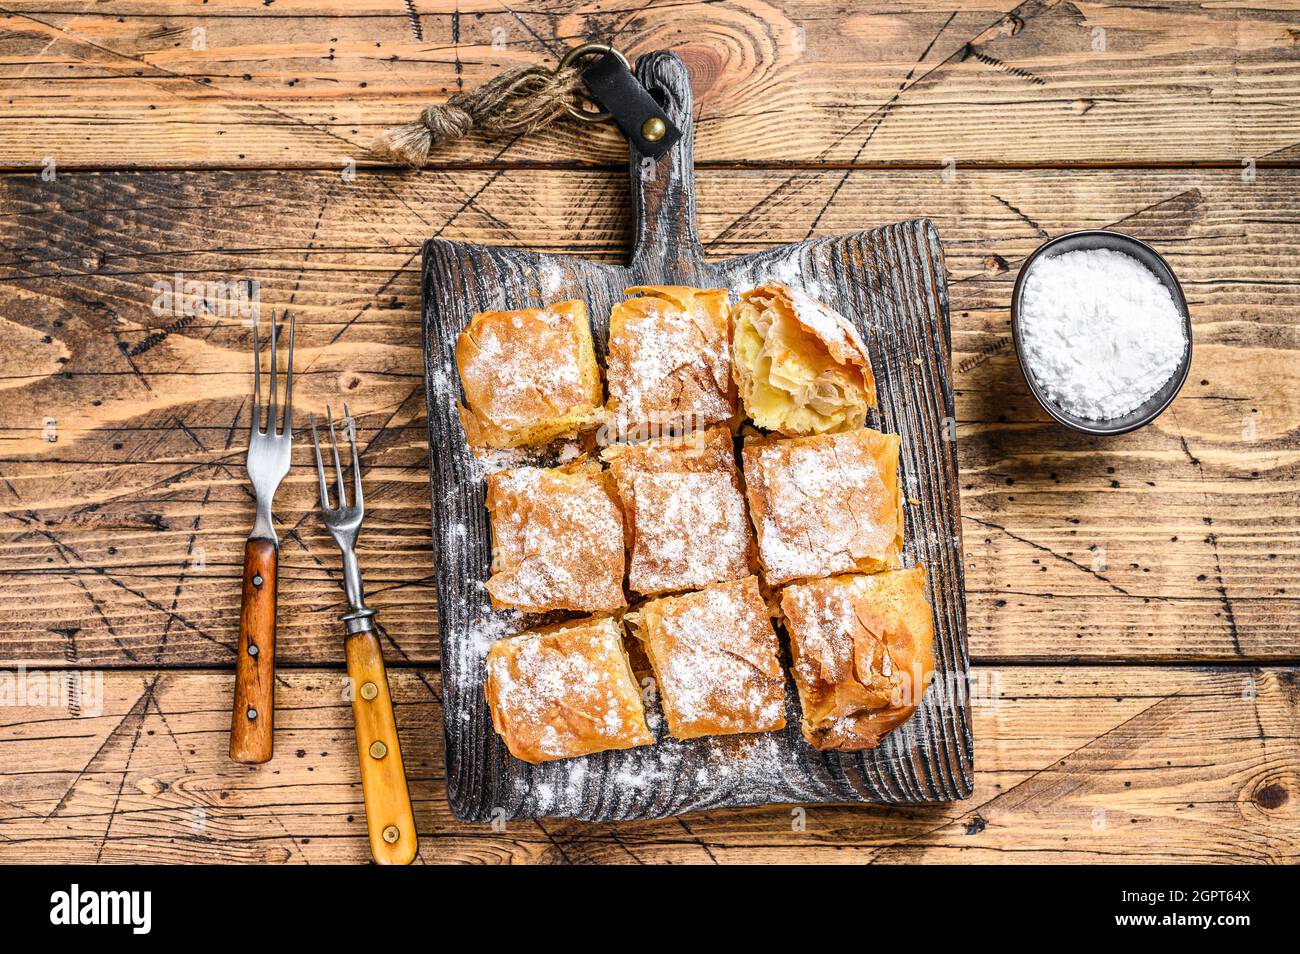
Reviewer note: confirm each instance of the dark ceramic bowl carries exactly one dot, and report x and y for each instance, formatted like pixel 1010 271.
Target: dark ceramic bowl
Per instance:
pixel 1116 242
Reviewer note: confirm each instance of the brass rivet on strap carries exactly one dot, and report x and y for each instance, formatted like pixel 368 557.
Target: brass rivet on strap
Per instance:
pixel 369 690
pixel 653 129
pixel 378 750
pixel 391 834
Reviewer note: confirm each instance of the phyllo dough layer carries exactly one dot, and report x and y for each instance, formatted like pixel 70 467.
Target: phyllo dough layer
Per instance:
pixel 565 691
pixel 686 520
pixel 557 539
pixel 529 375
pixel 669 361
pixel 863 654
pixel 714 655
pixel 825 504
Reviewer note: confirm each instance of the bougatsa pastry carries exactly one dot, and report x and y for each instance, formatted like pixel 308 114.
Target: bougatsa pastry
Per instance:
pixel 529 375
pixel 802 368
pixel 557 539
pixel 825 504
pixel 863 654
pixel 564 691
pixel 669 361
pixel 714 656
pixel 684 511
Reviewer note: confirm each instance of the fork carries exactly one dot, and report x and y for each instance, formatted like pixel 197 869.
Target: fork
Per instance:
pixel 269 452
pixel 389 819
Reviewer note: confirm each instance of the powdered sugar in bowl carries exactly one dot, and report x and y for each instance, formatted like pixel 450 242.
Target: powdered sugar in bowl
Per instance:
pixel 1102 331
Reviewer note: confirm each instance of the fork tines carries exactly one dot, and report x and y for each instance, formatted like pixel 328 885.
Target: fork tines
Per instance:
pixel 350 431
pixel 273 408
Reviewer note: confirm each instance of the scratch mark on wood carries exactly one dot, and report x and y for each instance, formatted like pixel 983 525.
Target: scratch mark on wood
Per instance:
pixel 136 711
pixel 1003 67
pixel 1038 229
pixel 1059 556
pixel 413 15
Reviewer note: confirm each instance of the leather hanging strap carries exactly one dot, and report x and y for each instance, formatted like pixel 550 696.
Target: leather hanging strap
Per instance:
pixel 641 119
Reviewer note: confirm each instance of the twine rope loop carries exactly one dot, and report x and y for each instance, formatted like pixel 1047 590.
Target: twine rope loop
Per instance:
pixel 521 99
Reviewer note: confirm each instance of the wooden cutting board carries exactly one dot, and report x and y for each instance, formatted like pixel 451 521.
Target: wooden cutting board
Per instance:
pixel 891 281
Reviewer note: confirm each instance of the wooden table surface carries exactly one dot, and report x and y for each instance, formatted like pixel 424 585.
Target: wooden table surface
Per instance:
pixel 1133 602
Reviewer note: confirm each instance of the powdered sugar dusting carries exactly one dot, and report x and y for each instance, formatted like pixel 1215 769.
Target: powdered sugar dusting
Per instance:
pixel 685 510
pixel 827 502
pixel 715 657
pixel 832 328
pixel 670 364
pixel 525 369
pixel 565 692
pixel 557 540
pixel 691 530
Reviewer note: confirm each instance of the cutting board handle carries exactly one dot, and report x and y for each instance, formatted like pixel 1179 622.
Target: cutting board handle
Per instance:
pixel 663 191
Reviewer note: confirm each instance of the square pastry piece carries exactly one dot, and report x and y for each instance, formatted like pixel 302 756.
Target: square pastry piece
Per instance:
pixel 557 539
pixel 685 514
pixel 669 361
pixel 529 375
pixel 863 654
pixel 714 655
pixel 565 691
pixel 825 504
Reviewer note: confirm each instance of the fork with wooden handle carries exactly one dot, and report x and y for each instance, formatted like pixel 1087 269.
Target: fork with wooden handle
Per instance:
pixel 389 818
pixel 269 452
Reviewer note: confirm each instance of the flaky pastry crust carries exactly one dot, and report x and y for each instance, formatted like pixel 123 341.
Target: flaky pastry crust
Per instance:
pixel 801 367
pixel 714 655
pixel 557 539
pixel 863 654
pixel 685 513
pixel 529 375
pixel 825 504
pixel 669 361
pixel 564 691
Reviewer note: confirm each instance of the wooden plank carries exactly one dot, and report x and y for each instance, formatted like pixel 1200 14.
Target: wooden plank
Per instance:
pixel 307 83
pixel 121 539
pixel 1077 764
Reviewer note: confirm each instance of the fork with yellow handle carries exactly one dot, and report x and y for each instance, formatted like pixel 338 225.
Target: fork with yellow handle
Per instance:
pixel 389 819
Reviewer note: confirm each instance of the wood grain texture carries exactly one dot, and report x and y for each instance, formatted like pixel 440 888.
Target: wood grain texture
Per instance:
pixel 122 496
pixel 252 718
pixel 1082 765
pixel 890 282
pixel 241 83
pixel 124 503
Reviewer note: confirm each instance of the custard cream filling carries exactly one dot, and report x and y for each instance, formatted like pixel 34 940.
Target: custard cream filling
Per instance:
pixel 789 380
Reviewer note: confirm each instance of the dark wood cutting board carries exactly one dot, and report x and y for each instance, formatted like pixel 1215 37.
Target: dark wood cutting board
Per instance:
pixel 891 281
